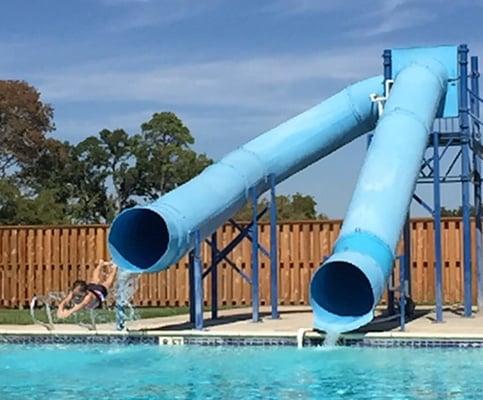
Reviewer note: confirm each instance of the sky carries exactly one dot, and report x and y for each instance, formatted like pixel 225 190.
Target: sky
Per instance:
pixel 229 69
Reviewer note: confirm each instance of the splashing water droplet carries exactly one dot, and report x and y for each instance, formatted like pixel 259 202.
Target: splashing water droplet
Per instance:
pixel 331 338
pixel 126 287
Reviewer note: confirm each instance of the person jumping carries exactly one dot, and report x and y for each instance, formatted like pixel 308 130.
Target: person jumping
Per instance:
pixel 88 295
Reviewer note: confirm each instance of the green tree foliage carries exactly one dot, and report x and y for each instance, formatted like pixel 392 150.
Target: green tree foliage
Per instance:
pixel 18 209
pixel 456 212
pixel 116 171
pixel 289 208
pixel 107 175
pixel 164 159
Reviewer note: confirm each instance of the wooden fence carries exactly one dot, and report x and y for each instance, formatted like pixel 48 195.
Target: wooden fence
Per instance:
pixel 36 260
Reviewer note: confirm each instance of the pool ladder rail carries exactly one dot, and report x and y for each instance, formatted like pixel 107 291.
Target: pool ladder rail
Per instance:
pixel 301 335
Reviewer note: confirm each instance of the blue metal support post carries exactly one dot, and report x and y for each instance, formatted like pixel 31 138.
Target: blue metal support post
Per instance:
pixel 475 109
pixel 402 293
pixel 249 232
pixel 198 280
pixel 214 276
pixel 407 254
pixel 191 279
pixel 391 287
pixel 255 265
pixel 387 63
pixel 465 175
pixel 437 229
pixel 273 250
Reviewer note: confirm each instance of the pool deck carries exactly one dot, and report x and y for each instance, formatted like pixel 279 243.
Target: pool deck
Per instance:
pixel 238 323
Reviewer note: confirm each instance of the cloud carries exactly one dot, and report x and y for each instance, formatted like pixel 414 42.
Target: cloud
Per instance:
pixel 77 128
pixel 291 8
pixel 141 14
pixel 397 15
pixel 123 2
pixel 268 82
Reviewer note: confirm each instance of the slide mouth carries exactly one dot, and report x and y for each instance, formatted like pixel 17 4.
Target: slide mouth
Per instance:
pixel 138 239
pixel 347 287
pixel 342 289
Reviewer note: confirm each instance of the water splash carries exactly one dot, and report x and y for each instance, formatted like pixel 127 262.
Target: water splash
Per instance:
pixel 331 339
pixel 126 287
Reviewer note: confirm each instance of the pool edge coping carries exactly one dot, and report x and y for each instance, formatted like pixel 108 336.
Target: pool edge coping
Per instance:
pixel 312 335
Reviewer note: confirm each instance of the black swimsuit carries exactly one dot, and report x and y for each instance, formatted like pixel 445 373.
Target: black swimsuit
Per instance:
pixel 100 291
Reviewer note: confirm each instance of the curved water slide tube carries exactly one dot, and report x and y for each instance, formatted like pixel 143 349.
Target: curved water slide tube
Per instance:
pixel 151 238
pixel 350 283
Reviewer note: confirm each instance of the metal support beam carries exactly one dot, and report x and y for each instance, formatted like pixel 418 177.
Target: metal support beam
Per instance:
pixel 250 231
pixel 407 253
pixel 191 279
pixel 235 242
pixel 421 202
pixel 214 277
pixel 437 230
pixel 273 250
pixel 387 57
pixel 248 236
pixel 465 176
pixel 476 137
pixel 402 293
pixel 391 287
pixel 255 265
pixel 198 295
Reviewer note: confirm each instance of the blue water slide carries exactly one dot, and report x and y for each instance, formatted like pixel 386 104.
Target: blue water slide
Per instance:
pixel 346 288
pixel 153 237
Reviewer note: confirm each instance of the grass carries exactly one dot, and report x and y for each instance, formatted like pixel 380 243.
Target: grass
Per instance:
pixel 22 317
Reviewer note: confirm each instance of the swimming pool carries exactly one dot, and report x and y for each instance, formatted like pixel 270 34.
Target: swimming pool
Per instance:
pixel 149 372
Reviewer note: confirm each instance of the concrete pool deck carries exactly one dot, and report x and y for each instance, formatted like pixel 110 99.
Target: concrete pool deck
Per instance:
pixel 237 323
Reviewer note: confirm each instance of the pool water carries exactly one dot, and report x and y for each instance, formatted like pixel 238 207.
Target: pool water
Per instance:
pixel 151 372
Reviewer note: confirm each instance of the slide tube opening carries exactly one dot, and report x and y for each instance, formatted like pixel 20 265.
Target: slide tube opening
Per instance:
pixel 139 237
pixel 342 289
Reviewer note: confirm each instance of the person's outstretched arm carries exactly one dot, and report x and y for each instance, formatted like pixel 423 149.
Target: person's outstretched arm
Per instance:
pixel 111 277
pixel 62 306
pixel 66 313
pixel 96 274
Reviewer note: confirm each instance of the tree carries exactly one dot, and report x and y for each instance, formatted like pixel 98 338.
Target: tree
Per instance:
pixel 16 208
pixel 51 169
pixel 456 212
pixel 120 170
pixel 108 162
pixel 164 159
pixel 24 122
pixel 289 208
pixel 303 207
pixel 44 180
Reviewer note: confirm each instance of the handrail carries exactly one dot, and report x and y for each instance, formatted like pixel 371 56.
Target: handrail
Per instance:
pixel 46 300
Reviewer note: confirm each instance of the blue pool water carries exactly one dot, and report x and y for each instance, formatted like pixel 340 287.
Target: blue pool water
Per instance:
pixel 150 372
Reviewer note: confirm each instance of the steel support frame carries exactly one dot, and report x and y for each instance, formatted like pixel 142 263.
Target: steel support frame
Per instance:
pixel 438 253
pixel 404 284
pixel 476 139
pixel 465 176
pixel 387 63
pixel 447 139
pixel 250 232
pixel 435 177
